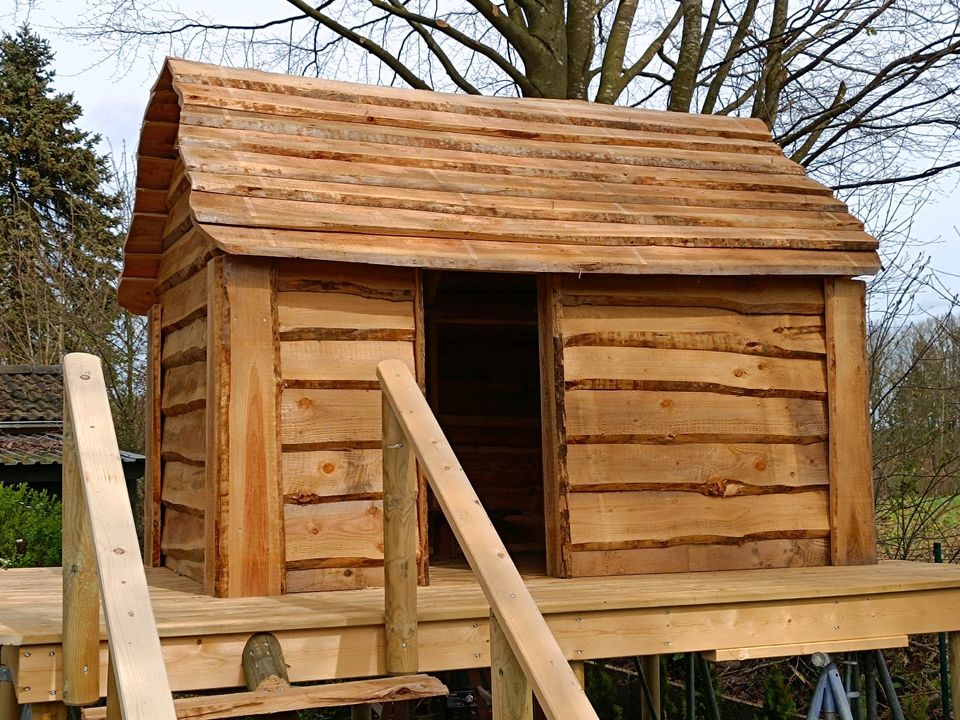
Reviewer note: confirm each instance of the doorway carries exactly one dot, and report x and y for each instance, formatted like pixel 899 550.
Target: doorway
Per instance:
pixel 483 383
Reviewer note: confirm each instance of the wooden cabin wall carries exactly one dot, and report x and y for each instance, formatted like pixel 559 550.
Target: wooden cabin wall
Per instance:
pixel 181 351
pixel 691 421
pixel 336 323
pixel 174 504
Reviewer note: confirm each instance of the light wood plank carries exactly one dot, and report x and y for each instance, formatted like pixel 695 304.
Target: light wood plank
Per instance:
pixel 309 476
pixel 141 675
pixel 721 469
pixel 339 360
pixel 184 486
pixel 327 579
pixel 329 416
pixel 747 295
pixel 508 256
pixel 350 529
pixel 184 388
pixel 694 328
pixel 185 301
pixel 853 530
pixel 756 554
pixel 640 416
pixel 215 209
pixel 377 690
pixel 689 370
pixel 458 204
pixel 340 310
pixel 186 345
pixel 183 437
pixel 771 651
pixel 622 520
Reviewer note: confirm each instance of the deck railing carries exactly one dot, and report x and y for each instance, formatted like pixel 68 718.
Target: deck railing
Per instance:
pixel 102 562
pixel 524 653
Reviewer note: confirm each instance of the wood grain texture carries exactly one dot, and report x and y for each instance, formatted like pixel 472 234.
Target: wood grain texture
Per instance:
pixel 142 681
pixel 309 476
pixel 768 651
pixel 343 360
pixel 152 471
pixel 185 345
pixel 243 461
pixel 348 532
pixel 399 547
pixel 716 469
pixel 81 591
pixel 506 256
pixel 553 427
pixel 600 521
pixel 271 151
pixel 668 417
pixel 616 368
pixel 342 310
pixel 377 690
pixel 326 579
pixel 694 328
pixel 310 417
pixel 853 530
pixel 759 554
pixel 183 437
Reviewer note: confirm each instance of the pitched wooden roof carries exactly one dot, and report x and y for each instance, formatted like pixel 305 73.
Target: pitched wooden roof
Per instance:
pixel 275 165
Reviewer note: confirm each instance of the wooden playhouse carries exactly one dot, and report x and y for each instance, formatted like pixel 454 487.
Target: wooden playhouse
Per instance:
pixel 638 330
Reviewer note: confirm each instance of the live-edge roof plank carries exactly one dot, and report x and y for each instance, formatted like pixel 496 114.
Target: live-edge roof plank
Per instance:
pixel 286 166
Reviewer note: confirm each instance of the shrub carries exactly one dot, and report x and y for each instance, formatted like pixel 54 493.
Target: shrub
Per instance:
pixel 30 525
pixel 778 702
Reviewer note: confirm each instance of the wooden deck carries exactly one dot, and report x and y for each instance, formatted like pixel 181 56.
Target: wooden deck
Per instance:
pixel 340 634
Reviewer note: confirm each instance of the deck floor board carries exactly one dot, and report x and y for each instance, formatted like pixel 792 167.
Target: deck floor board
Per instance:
pixel 30 611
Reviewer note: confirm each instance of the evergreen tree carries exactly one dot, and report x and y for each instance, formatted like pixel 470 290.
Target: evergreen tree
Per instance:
pixel 59 225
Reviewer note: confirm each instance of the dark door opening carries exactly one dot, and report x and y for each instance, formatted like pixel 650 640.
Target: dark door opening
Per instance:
pixel 483 383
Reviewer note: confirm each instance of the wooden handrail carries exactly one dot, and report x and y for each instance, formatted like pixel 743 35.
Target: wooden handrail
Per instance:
pixel 513 611
pixel 101 561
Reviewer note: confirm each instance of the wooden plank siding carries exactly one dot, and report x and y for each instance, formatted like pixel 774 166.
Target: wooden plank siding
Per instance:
pixel 693 424
pixel 335 323
pixel 180 400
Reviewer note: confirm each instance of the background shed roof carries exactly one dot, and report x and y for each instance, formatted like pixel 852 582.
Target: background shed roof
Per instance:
pixel 289 166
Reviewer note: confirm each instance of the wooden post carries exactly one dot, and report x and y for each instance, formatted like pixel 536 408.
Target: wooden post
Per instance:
pixel 650 664
pixel 244 544
pixel 399 547
pixel 579 668
pixel 853 537
pixel 48 711
pixel 113 698
pixel 9 708
pixel 953 650
pixel 263 664
pixel 512 697
pixel 81 593
pixel 151 449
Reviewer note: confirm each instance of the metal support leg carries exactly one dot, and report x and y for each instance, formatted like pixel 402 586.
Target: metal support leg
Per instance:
pixel 870 684
pixel 713 709
pixel 888 689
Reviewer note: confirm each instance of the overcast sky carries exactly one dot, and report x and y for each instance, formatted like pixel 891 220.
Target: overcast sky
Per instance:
pixel 113 99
